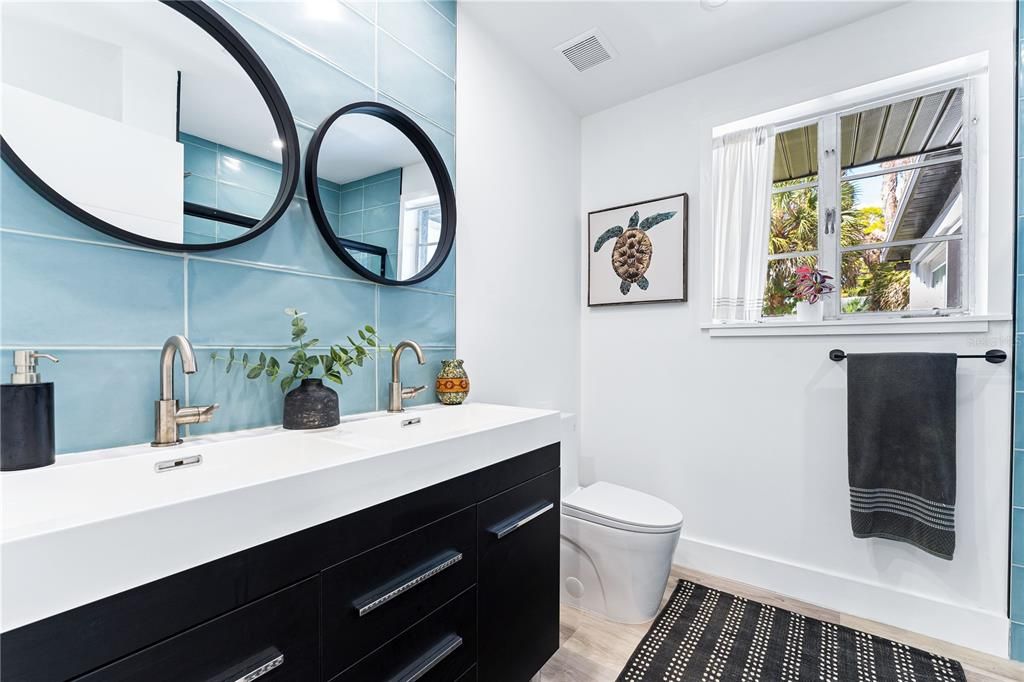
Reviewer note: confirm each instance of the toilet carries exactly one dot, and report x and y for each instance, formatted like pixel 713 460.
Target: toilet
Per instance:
pixel 616 544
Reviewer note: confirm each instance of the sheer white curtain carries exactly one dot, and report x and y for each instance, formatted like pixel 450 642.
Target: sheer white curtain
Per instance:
pixel 741 179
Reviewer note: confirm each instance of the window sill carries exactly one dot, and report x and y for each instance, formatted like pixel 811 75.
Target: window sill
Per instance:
pixel 888 325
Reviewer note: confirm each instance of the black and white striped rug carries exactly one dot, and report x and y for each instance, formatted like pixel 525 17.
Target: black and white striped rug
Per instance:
pixel 704 635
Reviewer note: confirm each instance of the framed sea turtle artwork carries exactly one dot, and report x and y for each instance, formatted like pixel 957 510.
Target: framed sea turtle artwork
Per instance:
pixel 638 252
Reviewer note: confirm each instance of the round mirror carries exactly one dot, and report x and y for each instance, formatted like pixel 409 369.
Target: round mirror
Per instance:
pixel 152 122
pixel 381 194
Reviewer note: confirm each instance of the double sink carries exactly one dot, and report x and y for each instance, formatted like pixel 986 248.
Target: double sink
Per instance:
pixel 102 522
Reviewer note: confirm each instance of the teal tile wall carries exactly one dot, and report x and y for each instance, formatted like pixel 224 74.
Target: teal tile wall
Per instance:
pixel 105 307
pixel 1017 475
pixel 369 212
pixel 222 177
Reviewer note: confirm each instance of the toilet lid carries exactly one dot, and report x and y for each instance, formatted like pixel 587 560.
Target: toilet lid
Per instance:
pixel 619 507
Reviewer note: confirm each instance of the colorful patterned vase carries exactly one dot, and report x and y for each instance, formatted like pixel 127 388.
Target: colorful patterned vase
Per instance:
pixel 452 383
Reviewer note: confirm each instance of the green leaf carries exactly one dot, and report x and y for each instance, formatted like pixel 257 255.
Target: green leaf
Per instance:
pixel 245 360
pixel 297 358
pixel 263 358
pixel 346 369
pixel 333 376
pixel 327 362
pixel 286 383
pixel 255 372
pixel 359 361
pixel 370 329
pixel 371 342
pixel 362 334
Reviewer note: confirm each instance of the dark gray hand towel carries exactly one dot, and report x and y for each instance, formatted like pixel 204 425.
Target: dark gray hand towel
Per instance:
pixel 901 422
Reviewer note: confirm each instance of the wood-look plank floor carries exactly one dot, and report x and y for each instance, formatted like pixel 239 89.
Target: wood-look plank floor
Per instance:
pixel 596 650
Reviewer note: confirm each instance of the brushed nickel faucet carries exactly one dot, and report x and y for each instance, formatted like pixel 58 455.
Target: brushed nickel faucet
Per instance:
pixel 168 415
pixel 397 393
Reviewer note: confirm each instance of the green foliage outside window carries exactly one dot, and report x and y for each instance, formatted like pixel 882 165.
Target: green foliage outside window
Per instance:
pixel 867 282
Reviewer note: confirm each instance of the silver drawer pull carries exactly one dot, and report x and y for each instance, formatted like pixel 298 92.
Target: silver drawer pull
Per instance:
pixel 430 660
pixel 522 521
pixel 365 606
pixel 262 670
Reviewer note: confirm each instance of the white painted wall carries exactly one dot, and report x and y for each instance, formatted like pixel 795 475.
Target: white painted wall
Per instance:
pixel 747 435
pixel 517 312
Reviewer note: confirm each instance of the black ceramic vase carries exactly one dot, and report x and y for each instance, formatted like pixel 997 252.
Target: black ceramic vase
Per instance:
pixel 311 406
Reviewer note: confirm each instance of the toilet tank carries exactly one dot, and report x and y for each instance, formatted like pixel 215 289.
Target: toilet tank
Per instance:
pixel 570 454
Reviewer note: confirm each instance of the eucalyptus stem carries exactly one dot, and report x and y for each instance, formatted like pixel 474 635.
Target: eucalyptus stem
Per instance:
pixel 333 363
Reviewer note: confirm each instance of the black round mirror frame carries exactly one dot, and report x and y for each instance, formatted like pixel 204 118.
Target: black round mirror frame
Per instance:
pixel 232 41
pixel 438 170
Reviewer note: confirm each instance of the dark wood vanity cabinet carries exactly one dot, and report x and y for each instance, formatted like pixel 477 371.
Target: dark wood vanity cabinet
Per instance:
pixel 455 582
pixel 518 579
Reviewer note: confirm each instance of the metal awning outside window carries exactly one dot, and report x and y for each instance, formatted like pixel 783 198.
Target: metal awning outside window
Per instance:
pixel 920 125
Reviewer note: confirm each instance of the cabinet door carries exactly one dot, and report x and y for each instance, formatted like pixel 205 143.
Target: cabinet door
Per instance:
pixel 371 598
pixel 438 648
pixel 517 543
pixel 273 639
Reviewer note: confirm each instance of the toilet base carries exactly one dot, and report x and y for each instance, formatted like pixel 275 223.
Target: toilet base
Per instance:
pixel 615 573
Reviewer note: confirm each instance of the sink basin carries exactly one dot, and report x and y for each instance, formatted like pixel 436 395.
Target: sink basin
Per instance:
pixel 84 489
pixel 428 424
pixel 119 523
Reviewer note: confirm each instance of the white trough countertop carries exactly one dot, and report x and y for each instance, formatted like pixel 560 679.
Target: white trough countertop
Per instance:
pixel 101 522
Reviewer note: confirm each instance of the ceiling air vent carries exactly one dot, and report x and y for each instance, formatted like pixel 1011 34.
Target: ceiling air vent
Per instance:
pixel 587 50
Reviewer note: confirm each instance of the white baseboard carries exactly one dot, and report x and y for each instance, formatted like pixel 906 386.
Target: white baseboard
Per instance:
pixel 970 627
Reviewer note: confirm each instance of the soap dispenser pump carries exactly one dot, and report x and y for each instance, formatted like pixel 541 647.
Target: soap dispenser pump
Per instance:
pixel 26 415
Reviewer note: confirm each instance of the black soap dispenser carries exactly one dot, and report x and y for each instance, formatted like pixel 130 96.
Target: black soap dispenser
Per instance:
pixel 26 416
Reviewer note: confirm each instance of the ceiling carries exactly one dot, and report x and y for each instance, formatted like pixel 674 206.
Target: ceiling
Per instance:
pixel 655 44
pixel 357 146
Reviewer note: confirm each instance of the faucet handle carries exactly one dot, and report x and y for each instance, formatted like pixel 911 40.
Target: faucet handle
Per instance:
pixel 412 392
pixel 199 414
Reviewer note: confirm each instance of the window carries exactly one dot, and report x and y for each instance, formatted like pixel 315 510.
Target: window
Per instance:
pixel 876 196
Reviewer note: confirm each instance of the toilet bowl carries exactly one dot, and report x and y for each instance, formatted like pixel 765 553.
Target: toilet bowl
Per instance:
pixel 616 551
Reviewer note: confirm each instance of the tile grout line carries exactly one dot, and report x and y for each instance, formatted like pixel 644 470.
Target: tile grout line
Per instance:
pixel 376 356
pixel 376 59
pixel 316 55
pixel 186 332
pixel 441 14
pixel 198 346
pixel 210 259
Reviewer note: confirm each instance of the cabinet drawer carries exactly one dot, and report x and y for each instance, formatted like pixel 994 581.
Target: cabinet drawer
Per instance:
pixel 518 580
pixel 439 648
pixel 272 639
pixel 372 597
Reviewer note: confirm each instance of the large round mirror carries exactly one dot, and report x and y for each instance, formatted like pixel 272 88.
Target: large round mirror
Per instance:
pixel 152 122
pixel 381 194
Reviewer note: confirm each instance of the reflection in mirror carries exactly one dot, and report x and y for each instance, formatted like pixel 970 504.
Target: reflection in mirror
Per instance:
pixel 379 196
pixel 140 118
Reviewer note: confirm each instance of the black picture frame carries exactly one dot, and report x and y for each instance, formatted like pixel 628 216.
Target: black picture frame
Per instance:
pixel 232 41
pixel 435 163
pixel 685 255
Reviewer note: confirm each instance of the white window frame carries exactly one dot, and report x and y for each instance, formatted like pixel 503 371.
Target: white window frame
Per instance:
pixel 829 252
